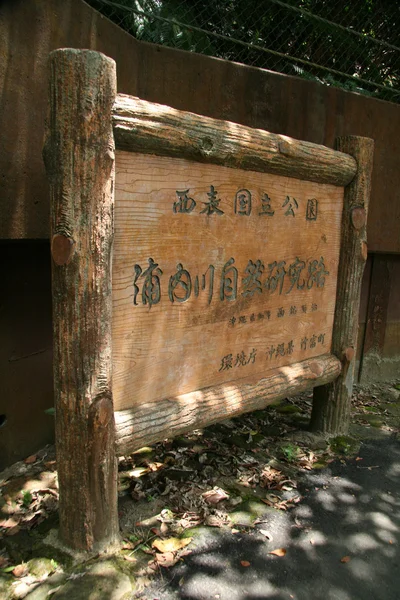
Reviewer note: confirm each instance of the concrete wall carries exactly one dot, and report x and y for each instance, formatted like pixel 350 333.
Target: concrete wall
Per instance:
pixel 29 30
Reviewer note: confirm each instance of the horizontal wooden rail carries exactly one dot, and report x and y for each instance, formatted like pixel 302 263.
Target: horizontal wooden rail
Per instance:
pixel 152 422
pixel 149 128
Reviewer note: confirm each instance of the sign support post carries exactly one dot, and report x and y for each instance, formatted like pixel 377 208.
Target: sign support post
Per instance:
pixel 332 402
pixel 79 157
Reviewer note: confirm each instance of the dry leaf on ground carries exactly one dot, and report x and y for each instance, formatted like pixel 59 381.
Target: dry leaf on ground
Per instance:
pixel 245 563
pixel 278 552
pixel 167 559
pixel 171 544
pixel 345 559
pixel 214 496
pixel 20 570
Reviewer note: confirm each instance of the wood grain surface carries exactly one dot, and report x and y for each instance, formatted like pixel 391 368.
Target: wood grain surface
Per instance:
pixel 176 219
pixel 151 422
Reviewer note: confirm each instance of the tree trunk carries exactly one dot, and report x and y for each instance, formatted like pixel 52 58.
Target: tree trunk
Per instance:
pixel 332 402
pixel 79 157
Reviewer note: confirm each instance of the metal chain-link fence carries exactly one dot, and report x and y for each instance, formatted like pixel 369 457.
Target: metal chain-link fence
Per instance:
pixel 351 44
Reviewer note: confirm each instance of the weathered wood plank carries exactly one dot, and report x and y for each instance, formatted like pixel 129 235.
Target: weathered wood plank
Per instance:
pixel 145 127
pixel 148 423
pixel 174 330
pixel 332 402
pixel 79 157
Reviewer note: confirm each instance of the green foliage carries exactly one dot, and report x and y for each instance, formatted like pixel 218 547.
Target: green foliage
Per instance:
pixel 289 452
pixel 277 37
pixel 26 498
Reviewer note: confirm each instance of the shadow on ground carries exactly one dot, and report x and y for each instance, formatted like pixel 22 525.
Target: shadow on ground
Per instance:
pixel 341 542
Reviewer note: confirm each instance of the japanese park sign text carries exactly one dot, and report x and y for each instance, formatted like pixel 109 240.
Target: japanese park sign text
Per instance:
pixel 218 274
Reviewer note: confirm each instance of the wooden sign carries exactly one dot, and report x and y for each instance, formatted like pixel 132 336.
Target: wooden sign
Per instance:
pixel 201 269
pixel 218 274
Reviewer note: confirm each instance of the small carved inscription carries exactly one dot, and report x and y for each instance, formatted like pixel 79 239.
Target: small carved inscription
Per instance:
pixel 273 352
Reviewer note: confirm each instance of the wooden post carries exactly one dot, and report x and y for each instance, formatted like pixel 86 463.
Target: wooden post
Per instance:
pixel 79 158
pixel 332 402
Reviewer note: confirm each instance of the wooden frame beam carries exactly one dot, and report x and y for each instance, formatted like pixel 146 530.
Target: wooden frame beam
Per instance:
pixel 141 126
pixel 147 424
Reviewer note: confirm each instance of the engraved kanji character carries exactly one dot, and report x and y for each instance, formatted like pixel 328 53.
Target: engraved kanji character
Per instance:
pixel 312 209
pixel 183 282
pixel 184 204
pixel 260 316
pixel 304 343
pixel 271 351
pixel 292 202
pixel 317 272
pixel 151 289
pixel 232 321
pixel 313 341
pixel 252 356
pixel 226 363
pixel 243 202
pixel 268 314
pixel 281 312
pixel 266 206
pixel 252 318
pixel 211 206
pixel 304 308
pixel 275 280
pixel 241 360
pixel 290 347
pixel 210 271
pixel 321 338
pixel 293 310
pixel 229 278
pixel 242 319
pixel 294 272
pixel 280 351
pixel 252 283
pixel 314 307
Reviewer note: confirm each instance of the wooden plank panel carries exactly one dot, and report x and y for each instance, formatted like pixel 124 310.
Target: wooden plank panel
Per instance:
pixel 262 286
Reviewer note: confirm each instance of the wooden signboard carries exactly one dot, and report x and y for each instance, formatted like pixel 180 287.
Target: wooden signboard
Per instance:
pixel 218 274
pixel 202 269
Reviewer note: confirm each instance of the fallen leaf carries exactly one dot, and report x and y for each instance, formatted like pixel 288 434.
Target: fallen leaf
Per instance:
pixel 129 558
pixel 345 559
pixel 278 552
pixel 245 563
pixel 138 472
pixel 31 459
pixel 214 521
pixel 20 570
pixel 214 496
pixel 171 544
pixel 14 530
pixel 10 523
pixel 167 559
